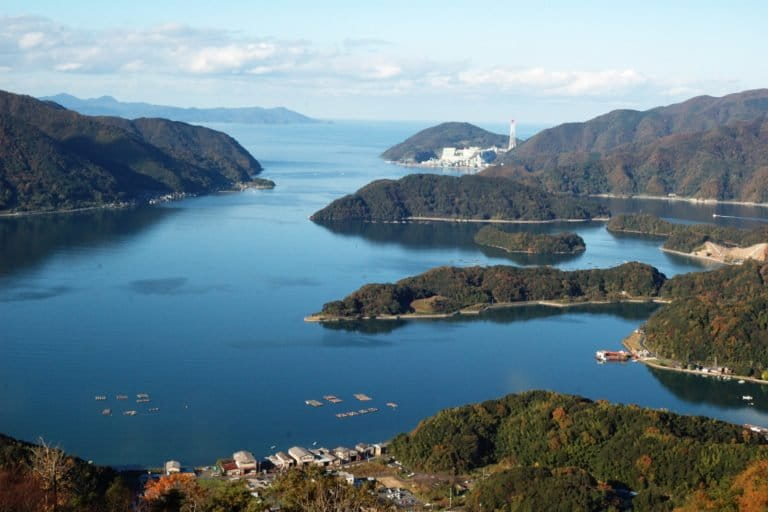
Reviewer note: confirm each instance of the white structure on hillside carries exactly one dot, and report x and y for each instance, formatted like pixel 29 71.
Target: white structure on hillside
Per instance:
pixel 512 135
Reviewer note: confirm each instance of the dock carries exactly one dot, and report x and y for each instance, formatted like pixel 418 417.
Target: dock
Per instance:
pixel 314 403
pixel 362 397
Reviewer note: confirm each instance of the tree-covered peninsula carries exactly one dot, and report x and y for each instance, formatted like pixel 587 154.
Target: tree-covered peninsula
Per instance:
pixel 533 243
pixel 446 290
pixel 716 318
pixel 52 158
pixel 428 143
pixel 549 451
pixel 723 243
pixel 430 196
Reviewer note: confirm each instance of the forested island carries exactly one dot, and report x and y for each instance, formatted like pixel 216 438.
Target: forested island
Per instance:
pixel 704 148
pixel 52 158
pixel 447 290
pixel 435 197
pixel 532 243
pixel 720 243
pixel 427 144
pixel 549 451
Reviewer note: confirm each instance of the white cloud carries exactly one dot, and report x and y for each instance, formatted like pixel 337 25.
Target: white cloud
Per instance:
pixel 31 39
pixel 556 83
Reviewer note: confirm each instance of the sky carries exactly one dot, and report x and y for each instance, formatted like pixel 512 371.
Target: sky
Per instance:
pixel 481 60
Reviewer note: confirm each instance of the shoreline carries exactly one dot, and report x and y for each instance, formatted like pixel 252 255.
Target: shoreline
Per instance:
pixel 698 257
pixel 504 221
pixel 475 310
pixel 694 200
pixel 634 343
pixel 532 252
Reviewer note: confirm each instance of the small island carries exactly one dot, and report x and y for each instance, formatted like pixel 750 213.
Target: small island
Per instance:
pixel 530 243
pixel 468 198
pixel 258 184
pixel 445 291
pixel 716 243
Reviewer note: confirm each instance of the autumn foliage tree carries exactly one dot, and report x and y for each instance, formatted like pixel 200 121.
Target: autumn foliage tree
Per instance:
pixel 178 492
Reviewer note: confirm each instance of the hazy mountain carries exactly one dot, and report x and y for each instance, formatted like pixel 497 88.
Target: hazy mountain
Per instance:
pixel 109 106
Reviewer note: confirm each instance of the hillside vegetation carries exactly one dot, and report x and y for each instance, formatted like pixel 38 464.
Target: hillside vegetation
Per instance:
pixel 428 143
pixel 687 237
pixel 467 197
pixel 717 317
pixel 562 243
pixel 565 452
pixel 708 148
pixel 52 158
pixel 461 287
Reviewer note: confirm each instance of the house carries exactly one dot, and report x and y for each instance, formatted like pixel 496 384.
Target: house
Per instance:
pixel 172 466
pixel 323 458
pixel 379 449
pixel 347 477
pixel 301 455
pixel 229 468
pixel 245 462
pixel 364 450
pixel 282 460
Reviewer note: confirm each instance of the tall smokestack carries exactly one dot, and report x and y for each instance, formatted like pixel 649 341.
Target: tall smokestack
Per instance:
pixel 512 135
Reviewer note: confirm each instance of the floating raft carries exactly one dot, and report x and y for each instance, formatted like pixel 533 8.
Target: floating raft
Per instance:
pixel 106 412
pixel 154 409
pixel 314 403
pixel 100 397
pixel 361 412
pixel 130 413
pixel 391 404
pixel 142 400
pixel 122 397
pixel 362 397
pixel 142 395
pixel 333 399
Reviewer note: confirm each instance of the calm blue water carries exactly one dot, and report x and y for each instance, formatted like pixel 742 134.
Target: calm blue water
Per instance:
pixel 200 303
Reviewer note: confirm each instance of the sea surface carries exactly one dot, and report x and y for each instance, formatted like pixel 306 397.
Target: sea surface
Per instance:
pixel 200 303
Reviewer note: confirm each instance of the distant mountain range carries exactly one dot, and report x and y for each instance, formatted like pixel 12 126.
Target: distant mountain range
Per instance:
pixel 52 158
pixel 428 143
pixel 109 106
pixel 707 148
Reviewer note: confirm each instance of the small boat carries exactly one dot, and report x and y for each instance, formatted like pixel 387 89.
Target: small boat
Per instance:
pixel 142 395
pixel 142 400
pixel 130 413
pixel 106 412
pixel 100 397
pixel 391 404
pixel 741 381
pixel 153 409
pixel 746 397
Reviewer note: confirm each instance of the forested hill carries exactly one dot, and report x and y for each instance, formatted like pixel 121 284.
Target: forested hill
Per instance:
pixel 52 158
pixel 109 106
pixel 428 143
pixel 706 148
pixel 448 197
pixel 619 127
pixel 563 452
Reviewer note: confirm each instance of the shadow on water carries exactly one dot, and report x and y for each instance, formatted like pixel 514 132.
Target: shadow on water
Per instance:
pixel 697 389
pixel 627 311
pixel 450 235
pixel 26 242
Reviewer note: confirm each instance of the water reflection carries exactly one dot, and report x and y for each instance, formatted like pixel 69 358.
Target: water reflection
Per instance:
pixel 28 241
pixel 628 311
pixel 697 389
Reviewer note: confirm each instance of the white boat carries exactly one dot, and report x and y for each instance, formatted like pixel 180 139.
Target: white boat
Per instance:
pixel 741 381
pixel 746 397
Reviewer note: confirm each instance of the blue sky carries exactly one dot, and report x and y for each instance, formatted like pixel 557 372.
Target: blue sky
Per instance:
pixel 539 62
